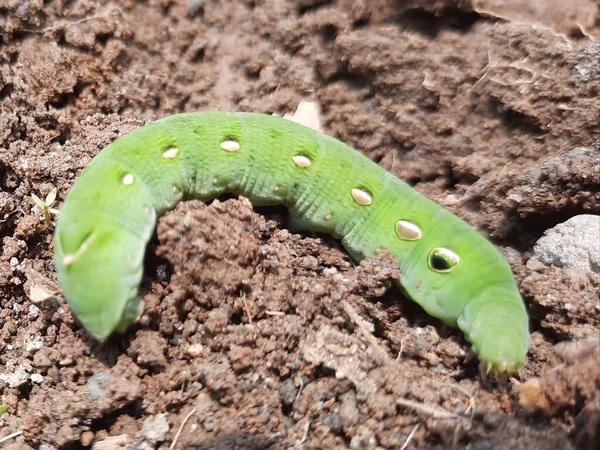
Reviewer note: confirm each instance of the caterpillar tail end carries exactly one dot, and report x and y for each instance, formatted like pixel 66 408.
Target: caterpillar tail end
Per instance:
pixel 502 354
pixel 133 311
pixel 497 325
pixel 100 331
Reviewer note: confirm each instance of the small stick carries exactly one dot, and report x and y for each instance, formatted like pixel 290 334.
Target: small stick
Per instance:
pixel 471 409
pixel 10 436
pixel 410 436
pixel 180 429
pixel 433 410
pixel 363 326
pixel 305 437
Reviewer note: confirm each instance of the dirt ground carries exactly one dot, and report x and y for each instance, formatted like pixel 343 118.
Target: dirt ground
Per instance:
pixel 268 339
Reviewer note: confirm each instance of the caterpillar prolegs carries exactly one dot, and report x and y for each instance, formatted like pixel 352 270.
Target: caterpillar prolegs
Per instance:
pixel 448 268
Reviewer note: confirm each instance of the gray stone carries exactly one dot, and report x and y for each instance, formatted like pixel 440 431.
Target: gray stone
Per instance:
pixel 95 383
pixel 155 428
pixel 574 244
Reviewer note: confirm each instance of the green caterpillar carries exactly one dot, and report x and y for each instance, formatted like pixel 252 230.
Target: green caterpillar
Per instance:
pixel 453 272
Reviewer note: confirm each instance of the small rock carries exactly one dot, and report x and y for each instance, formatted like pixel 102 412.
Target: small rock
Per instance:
pixel 32 346
pixel 113 443
pixel 333 422
pixel 288 392
pixel 95 383
pixel 87 437
pixel 68 361
pixel 240 357
pixel 574 244
pixel 15 379
pixel 155 428
pixel 194 350
pixel 42 359
pixel 195 6
pixel 364 439
pixel 38 294
pixel 308 114
pixel 532 396
pixel 33 312
pixel 36 378
pixel 349 414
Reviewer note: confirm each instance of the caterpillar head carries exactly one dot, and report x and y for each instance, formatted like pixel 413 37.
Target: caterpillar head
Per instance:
pixel 461 278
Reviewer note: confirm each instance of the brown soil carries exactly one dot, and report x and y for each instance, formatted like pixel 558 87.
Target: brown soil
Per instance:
pixel 263 338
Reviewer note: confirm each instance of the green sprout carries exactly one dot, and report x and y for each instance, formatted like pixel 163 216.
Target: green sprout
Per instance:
pixel 45 205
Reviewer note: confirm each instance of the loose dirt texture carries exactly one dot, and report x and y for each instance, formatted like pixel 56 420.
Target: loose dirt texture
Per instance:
pixel 254 336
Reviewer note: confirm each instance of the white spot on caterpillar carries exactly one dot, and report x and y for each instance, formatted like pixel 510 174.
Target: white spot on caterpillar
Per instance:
pixel 70 258
pixel 361 197
pixel 170 153
pixel 128 256
pixel 230 145
pixel 302 161
pixel 147 210
pixel 328 217
pixel 409 231
pixel 127 179
pixel 276 189
pixel 215 181
pixel 174 188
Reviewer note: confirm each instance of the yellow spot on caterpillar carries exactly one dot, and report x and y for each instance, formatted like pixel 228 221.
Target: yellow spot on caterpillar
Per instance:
pixel 147 210
pixel 128 256
pixel 302 161
pixel 215 181
pixel 328 217
pixel 127 179
pixel 409 231
pixel 230 145
pixel 170 153
pixel 361 197
pixel 174 188
pixel 276 189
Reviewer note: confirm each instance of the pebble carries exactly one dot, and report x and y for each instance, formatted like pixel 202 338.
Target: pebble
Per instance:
pixel 349 414
pixel 36 378
pixel 574 244
pixel 155 428
pixel 95 383
pixel 288 392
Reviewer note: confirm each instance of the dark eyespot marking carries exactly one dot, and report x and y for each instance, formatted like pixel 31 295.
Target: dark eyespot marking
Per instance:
pixel 442 260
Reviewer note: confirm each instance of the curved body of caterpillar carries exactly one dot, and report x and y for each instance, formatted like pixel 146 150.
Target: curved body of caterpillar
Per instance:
pixel 453 272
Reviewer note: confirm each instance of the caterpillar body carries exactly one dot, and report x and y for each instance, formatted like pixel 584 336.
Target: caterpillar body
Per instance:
pixel 448 268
